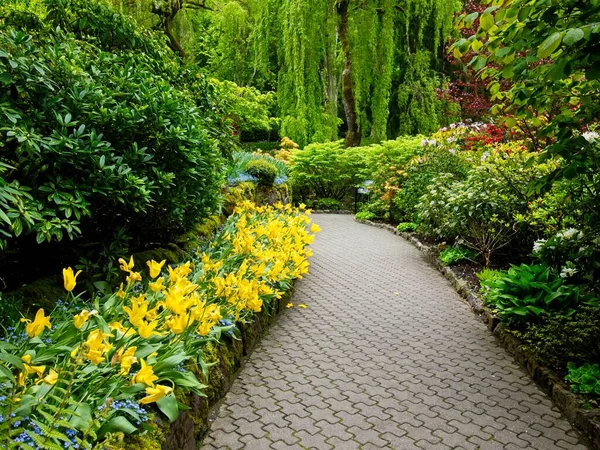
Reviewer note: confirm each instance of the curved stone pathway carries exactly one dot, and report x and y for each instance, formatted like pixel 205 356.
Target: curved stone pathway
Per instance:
pixel 385 356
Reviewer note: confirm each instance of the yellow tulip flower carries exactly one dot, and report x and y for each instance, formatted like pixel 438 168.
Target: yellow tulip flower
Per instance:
pixel 145 375
pixel 157 285
pixel 126 266
pixel 133 277
pixel 127 359
pixel 70 278
pixel 40 322
pixel 51 378
pixel 80 319
pixel 146 329
pixel 314 228
pixel 155 394
pixel 178 324
pixel 155 267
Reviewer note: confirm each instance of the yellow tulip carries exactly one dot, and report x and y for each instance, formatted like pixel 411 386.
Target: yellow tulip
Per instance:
pixel 145 375
pixel 146 329
pixel 178 324
pixel 302 306
pixel 40 322
pixel 157 285
pixel 155 394
pixel 70 278
pixel 121 292
pixel 155 267
pixel 97 347
pixel 126 266
pixel 127 359
pixel 80 319
pixel 314 228
pixel 133 277
pixel 51 378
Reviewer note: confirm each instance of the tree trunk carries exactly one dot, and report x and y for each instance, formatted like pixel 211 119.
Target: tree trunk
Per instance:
pixel 353 136
pixel 173 43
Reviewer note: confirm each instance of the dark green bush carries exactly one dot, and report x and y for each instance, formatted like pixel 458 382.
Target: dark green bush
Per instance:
pixel 559 340
pixel 95 137
pixel 264 171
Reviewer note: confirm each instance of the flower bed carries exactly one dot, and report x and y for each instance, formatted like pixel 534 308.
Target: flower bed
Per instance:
pixel 77 376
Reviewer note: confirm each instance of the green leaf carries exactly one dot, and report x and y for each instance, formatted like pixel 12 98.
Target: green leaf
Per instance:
pixel 573 35
pixel 116 424
pixel 487 21
pixel 549 45
pixel 168 405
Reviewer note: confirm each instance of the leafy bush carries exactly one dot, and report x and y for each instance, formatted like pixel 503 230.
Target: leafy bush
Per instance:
pixel 96 138
pixel 481 210
pixel 574 254
pixel 365 215
pixel 240 160
pixel 328 170
pixel 330 204
pixel 584 379
pixel 559 340
pixel 264 171
pixel 407 227
pixel 454 255
pixel 527 293
pixel 420 174
pixel 486 277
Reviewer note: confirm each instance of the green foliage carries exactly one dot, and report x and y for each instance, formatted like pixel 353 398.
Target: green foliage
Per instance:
pixel 420 174
pixel 584 379
pixel 240 160
pixel 328 204
pixel 406 227
pixel 574 254
pixel 545 55
pixel 96 137
pixel 264 171
pixel 486 277
pixel 559 340
pixel 328 170
pixel 455 255
pixel 482 210
pixel 365 215
pixel 527 293
pixel 249 110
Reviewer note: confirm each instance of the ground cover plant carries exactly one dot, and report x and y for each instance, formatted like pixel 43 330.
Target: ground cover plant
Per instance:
pixel 94 366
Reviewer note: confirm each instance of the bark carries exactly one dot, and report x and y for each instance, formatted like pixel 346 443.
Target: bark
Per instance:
pixel 173 42
pixel 353 135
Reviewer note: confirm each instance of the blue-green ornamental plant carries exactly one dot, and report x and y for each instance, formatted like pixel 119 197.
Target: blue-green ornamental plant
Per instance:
pixel 527 293
pixel 584 379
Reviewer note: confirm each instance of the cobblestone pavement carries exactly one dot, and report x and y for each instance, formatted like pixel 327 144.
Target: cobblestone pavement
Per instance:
pixel 385 356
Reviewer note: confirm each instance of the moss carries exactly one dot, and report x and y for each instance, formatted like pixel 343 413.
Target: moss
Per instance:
pixel 152 440
pixel 28 298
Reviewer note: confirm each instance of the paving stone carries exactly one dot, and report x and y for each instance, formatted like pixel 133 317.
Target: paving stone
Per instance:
pixel 385 356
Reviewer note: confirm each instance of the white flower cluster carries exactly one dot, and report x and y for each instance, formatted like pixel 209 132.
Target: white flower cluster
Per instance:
pixel 567 272
pixel 570 233
pixel 539 245
pixel 426 142
pixel 590 136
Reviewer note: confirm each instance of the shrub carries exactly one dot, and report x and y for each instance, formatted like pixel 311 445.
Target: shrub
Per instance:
pixel 264 171
pixel 365 215
pixel 528 293
pixel 584 379
pixel 559 340
pixel 420 174
pixel 486 277
pixel 481 211
pixel 328 170
pixel 574 254
pixel 406 227
pixel 330 204
pixel 454 255
pixel 98 139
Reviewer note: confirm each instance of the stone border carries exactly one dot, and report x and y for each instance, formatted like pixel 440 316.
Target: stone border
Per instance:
pixel 229 356
pixel 585 421
pixel 331 211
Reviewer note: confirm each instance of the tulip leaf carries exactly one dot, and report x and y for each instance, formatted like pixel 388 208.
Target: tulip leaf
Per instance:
pixel 168 405
pixel 117 424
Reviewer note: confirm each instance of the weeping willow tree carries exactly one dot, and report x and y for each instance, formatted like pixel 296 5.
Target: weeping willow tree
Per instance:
pixel 371 65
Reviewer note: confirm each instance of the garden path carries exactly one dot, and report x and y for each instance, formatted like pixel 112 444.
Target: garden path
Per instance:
pixel 385 356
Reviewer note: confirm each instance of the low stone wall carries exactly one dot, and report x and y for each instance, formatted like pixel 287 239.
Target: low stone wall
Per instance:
pixel 585 420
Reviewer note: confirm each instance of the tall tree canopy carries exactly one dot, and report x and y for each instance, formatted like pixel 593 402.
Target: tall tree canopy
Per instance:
pixel 369 68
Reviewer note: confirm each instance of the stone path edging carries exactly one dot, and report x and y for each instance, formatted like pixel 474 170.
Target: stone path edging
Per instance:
pixel 586 421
